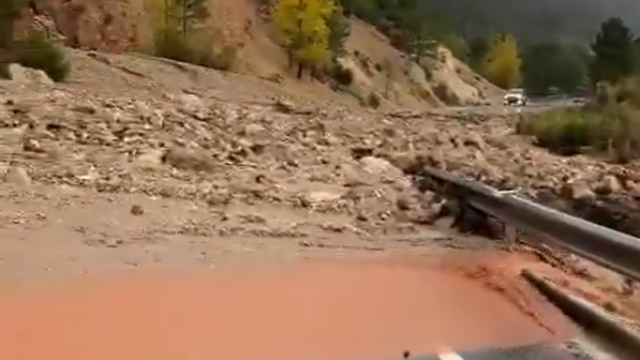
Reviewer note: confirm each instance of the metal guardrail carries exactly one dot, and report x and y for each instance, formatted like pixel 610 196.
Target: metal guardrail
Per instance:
pixel 609 248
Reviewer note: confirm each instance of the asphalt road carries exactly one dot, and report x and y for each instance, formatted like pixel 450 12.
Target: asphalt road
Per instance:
pixel 534 105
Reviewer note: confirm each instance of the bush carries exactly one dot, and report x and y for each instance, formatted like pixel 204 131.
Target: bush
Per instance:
pixel 611 125
pixel 38 52
pixel 173 45
pixel 374 100
pixel 343 75
pixel 566 132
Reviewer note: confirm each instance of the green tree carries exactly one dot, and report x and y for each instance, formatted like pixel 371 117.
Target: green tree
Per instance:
pixel 35 51
pixel 478 49
pixel 458 46
pixel 613 52
pixel 177 15
pixel 421 43
pixel 339 31
pixel 302 27
pixel 502 63
pixel 553 64
pixel 189 12
pixel 174 36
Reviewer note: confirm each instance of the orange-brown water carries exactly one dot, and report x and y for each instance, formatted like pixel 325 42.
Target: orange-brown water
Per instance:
pixel 311 311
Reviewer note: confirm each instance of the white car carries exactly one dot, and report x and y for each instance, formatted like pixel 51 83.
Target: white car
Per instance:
pixel 515 97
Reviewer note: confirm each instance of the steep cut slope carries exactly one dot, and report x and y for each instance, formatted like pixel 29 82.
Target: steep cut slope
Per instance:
pixel 124 25
pixel 380 67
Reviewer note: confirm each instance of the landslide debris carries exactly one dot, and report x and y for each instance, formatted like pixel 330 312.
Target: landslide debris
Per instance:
pixel 324 158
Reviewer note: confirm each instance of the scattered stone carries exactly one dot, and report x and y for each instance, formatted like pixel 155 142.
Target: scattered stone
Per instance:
pixel 284 105
pixel 317 199
pixel 137 210
pixel 577 190
pixel 32 145
pixel 474 140
pixel 191 104
pixel 381 168
pixel 187 159
pixel 609 185
pixel 17 175
pixel 151 159
pixel 26 76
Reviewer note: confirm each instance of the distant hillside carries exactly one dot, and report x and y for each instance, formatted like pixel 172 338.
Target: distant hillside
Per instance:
pixel 382 75
pixel 533 20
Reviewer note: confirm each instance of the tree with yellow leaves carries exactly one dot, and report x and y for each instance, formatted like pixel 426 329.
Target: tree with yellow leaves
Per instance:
pixel 302 28
pixel 501 65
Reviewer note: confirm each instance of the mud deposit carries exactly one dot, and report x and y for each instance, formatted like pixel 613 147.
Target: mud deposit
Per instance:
pixel 314 310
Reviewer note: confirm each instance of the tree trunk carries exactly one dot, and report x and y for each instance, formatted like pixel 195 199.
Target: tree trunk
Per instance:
pixel 300 68
pixel 289 59
pixel 184 19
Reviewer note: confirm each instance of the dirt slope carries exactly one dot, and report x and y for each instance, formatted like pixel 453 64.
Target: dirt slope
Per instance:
pixel 383 69
pixel 124 25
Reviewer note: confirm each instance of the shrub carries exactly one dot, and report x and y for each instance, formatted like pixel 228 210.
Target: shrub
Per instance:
pixel 342 74
pixel 564 131
pixel 611 125
pixel 38 52
pixel 171 44
pixel 374 100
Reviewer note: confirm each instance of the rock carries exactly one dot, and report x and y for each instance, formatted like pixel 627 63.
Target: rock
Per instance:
pixel 353 176
pixel 219 198
pixel 32 145
pixel 137 210
pixel 406 203
pixel 86 108
pixel 577 190
pixel 254 131
pixel 187 159
pixel 191 105
pixel 381 168
pixel 285 106
pixel 27 76
pixel 411 163
pixel 474 140
pixel 609 185
pixel 405 161
pixel 151 159
pixel 315 199
pixel 17 175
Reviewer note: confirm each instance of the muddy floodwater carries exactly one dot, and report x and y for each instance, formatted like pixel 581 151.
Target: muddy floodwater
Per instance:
pixel 311 311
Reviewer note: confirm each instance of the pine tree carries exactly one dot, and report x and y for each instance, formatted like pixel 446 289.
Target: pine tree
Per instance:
pixel 189 12
pixel 339 31
pixel 614 52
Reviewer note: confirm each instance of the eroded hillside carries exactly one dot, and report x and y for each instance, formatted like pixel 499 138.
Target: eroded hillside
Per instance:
pixel 380 70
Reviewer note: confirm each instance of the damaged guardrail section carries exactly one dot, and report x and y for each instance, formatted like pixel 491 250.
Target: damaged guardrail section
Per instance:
pixel 614 250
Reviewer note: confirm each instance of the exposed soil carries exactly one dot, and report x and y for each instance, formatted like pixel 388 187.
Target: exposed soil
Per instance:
pixel 127 25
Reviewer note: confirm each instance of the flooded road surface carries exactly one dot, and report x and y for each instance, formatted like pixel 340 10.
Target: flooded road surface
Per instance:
pixel 310 311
